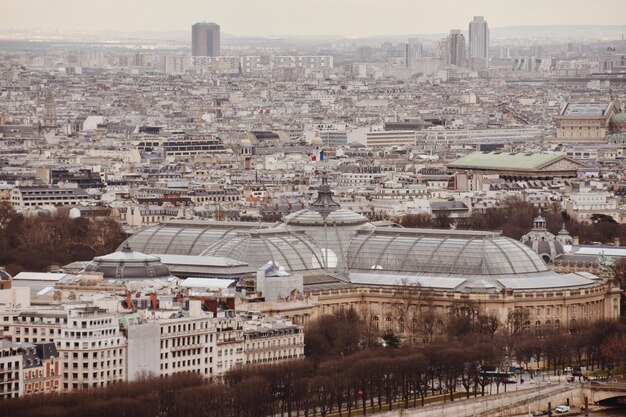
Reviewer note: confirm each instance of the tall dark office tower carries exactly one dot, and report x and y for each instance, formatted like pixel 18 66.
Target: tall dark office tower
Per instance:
pixel 455 48
pixel 205 39
pixel 479 39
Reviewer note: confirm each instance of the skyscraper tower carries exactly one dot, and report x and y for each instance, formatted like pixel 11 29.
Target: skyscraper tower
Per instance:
pixel 412 51
pixel 479 39
pixel 205 39
pixel 455 48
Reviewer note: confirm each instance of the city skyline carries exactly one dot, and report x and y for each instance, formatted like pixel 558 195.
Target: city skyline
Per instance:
pixel 349 18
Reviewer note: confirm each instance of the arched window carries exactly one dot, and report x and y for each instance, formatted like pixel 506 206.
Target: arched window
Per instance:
pixel 388 323
pixel 557 324
pixel 537 326
pixel 401 325
pixel 376 322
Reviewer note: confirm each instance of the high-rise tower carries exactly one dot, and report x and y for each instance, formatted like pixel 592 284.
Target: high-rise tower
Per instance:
pixel 205 39
pixel 479 39
pixel 455 48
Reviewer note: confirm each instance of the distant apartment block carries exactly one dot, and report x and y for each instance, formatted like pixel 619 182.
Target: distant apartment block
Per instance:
pixel 25 197
pixel 175 64
pixel 533 64
pixel 230 64
pixel 187 144
pixel 334 138
pixel 390 138
pixel 218 64
pixel 443 138
pixel 320 62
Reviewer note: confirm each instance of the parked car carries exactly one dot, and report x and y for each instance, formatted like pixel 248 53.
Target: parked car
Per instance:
pixel 567 369
pixel 539 413
pixel 562 409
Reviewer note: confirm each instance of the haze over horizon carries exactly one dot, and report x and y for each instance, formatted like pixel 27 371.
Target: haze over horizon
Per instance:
pixel 349 18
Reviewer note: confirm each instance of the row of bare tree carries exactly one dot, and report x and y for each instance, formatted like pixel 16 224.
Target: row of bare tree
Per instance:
pixel 350 377
pixel 514 218
pixel 35 243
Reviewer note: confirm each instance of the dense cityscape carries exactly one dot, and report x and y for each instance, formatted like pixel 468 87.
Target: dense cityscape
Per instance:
pixel 196 223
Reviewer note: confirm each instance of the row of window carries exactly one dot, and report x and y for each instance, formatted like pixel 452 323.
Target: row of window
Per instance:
pixel 93 365
pixel 279 358
pixel 93 345
pixel 94 375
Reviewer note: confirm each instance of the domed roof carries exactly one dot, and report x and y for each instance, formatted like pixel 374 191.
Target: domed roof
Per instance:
pixel 544 243
pixel 317 140
pixel 241 138
pixel 292 250
pixel 441 251
pixel 129 265
pixel 546 248
pixel 178 238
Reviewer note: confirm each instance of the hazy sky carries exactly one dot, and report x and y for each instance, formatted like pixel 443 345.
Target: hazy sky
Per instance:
pixel 303 17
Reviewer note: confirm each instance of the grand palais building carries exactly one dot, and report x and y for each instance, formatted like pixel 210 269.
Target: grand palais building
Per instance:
pixel 389 274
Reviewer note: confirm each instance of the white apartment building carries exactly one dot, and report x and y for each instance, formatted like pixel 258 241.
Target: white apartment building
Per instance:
pixel 229 344
pixel 92 349
pixel 176 64
pixel 252 64
pixel 90 345
pixel 11 370
pixel 442 138
pixel 96 347
pixel 271 340
pixel 363 178
pixel 37 326
pixel 402 192
pixel 390 138
pixel 188 344
pixel 24 197
pixel 581 206
pixel 217 64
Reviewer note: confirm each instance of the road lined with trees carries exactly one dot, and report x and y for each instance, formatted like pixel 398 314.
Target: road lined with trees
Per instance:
pixel 348 373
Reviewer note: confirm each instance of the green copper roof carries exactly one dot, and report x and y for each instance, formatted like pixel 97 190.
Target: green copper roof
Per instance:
pixel 504 160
